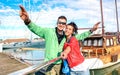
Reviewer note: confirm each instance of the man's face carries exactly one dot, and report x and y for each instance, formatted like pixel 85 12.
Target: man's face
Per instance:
pixel 61 24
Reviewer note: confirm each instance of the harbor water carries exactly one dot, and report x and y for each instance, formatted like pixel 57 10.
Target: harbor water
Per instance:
pixel 30 56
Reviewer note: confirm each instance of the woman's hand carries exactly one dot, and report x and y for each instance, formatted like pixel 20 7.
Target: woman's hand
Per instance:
pixel 64 55
pixel 95 27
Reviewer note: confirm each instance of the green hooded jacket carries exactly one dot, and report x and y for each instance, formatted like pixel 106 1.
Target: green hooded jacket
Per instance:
pixel 52 47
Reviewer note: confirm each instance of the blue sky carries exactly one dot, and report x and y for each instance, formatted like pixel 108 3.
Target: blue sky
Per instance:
pixel 85 13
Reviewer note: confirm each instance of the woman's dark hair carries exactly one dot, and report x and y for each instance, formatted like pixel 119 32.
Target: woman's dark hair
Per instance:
pixel 74 26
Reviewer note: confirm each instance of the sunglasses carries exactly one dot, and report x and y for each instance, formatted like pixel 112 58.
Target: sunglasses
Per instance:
pixel 63 23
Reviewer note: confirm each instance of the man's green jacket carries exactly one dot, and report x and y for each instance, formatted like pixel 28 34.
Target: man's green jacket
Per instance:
pixel 52 47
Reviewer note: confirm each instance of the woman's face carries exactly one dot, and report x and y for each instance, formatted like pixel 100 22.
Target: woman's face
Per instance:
pixel 69 30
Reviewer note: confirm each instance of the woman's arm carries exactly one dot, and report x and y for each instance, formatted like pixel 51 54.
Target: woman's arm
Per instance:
pixel 65 53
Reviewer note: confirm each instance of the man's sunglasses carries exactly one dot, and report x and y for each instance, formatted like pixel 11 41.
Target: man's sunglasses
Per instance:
pixel 63 23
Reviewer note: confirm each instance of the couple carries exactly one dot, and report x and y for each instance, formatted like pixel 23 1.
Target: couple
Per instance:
pixel 56 38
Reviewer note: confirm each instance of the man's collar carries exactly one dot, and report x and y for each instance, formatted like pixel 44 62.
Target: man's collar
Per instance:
pixel 62 33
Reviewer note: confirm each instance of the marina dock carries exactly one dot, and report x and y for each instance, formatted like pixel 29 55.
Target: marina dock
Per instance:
pixel 8 64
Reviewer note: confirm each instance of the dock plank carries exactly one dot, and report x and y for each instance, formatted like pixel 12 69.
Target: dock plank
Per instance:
pixel 8 65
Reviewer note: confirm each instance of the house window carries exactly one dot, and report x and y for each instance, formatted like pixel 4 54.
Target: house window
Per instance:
pixel 100 42
pixel 111 42
pixel 107 42
pixel 89 42
pixel 95 42
pixel 85 43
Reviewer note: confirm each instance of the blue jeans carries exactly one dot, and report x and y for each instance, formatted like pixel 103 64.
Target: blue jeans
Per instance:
pixel 80 72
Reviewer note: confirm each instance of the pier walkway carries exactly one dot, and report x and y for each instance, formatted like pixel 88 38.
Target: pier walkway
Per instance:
pixel 8 64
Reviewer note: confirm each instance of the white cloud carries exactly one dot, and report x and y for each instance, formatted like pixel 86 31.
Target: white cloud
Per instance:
pixel 87 10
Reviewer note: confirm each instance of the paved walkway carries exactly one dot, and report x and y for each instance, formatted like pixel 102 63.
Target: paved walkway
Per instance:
pixel 8 65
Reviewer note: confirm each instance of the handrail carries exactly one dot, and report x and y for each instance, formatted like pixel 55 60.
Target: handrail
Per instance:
pixel 34 68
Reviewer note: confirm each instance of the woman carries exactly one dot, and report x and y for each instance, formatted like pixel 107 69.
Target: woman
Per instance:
pixel 71 52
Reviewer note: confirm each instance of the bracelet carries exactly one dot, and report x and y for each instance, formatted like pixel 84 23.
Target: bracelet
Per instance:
pixel 91 31
pixel 27 21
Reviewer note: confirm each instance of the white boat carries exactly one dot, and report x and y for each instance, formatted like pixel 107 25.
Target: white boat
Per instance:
pixel 19 43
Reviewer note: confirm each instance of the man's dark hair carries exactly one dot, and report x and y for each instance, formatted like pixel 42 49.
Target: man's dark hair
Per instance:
pixel 74 26
pixel 62 17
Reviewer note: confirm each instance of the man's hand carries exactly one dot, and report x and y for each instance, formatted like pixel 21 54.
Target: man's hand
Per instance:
pixel 23 14
pixel 95 27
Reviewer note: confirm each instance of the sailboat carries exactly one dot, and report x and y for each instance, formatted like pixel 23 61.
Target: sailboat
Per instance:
pixel 105 47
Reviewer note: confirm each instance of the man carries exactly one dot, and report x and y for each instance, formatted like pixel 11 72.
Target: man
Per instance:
pixel 54 38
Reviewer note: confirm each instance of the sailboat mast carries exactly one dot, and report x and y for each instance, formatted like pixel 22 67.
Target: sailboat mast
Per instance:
pixel 117 16
pixel 30 17
pixel 102 17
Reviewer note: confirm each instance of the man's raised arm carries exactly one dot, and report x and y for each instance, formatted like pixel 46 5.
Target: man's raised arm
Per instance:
pixel 24 15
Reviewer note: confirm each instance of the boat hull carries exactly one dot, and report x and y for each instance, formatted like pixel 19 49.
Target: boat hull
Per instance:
pixel 113 69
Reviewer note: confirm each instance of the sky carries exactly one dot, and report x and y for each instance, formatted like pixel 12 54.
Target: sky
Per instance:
pixel 44 13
